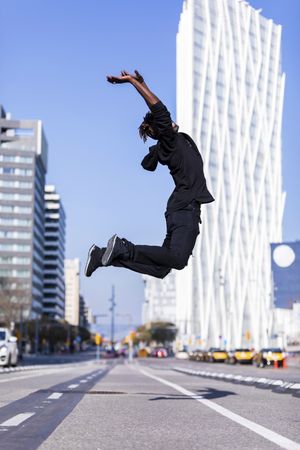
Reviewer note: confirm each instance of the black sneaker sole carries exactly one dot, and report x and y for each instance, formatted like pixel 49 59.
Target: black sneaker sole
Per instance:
pixel 89 260
pixel 106 258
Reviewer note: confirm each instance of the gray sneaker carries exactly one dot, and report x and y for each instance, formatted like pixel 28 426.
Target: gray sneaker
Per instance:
pixel 116 248
pixel 94 260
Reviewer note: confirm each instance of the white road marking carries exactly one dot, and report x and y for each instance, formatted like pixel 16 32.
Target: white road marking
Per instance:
pixel 33 375
pixel 272 436
pixel 83 381
pixel 16 420
pixel 55 396
pixel 73 386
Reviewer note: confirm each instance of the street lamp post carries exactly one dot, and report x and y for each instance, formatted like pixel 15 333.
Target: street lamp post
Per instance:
pixel 112 310
pixel 98 339
pixel 21 332
pixel 36 338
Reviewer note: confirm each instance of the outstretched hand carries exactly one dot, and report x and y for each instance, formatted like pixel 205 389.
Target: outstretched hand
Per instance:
pixel 125 77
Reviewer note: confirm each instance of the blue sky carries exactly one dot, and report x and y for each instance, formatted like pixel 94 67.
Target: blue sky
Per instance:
pixel 54 60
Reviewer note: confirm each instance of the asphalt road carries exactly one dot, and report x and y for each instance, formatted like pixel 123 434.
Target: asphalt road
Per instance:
pixel 143 405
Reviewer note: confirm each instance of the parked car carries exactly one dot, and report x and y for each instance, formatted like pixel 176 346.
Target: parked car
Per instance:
pixel 143 353
pixel 182 354
pixel 159 352
pixel 196 355
pixel 215 355
pixel 108 353
pixel 122 351
pixel 240 355
pixel 268 356
pixel 8 348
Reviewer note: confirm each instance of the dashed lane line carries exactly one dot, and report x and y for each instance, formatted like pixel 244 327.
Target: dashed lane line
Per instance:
pixel 270 435
pixel 55 396
pixel 17 420
pixel 73 386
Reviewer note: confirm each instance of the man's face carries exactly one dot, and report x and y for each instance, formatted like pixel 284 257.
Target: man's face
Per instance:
pixel 151 133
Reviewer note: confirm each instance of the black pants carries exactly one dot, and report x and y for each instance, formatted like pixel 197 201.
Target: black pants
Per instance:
pixel 182 231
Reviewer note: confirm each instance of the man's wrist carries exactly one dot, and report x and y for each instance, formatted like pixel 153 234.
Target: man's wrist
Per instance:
pixel 134 81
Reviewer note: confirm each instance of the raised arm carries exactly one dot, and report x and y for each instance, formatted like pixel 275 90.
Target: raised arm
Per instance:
pixel 162 122
pixel 138 82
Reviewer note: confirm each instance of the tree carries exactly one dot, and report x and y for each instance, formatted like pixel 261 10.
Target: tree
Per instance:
pixel 163 332
pixel 143 334
pixel 160 332
pixel 14 300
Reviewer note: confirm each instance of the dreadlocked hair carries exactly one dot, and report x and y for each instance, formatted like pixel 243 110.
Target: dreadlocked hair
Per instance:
pixel 147 124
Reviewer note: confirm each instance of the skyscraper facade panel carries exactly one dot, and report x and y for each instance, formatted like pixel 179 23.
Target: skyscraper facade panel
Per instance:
pixel 230 89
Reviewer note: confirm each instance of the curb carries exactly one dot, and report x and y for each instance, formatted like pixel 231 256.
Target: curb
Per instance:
pixel 4 370
pixel 278 386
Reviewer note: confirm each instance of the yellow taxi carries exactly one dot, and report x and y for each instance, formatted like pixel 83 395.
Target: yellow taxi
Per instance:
pixel 240 355
pixel 269 357
pixel 216 355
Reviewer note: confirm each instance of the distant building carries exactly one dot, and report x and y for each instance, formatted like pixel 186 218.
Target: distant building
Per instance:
pixel 82 316
pixel 286 273
pixel 88 316
pixel 54 280
pixel 160 299
pixel 286 294
pixel 286 327
pixel 23 165
pixel 72 291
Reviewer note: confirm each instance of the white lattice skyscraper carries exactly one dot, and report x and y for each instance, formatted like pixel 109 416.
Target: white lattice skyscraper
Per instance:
pixel 230 89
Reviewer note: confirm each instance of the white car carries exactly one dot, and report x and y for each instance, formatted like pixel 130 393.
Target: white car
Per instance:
pixel 182 354
pixel 8 348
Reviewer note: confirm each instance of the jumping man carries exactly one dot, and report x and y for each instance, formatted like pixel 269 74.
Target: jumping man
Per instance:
pixel 180 154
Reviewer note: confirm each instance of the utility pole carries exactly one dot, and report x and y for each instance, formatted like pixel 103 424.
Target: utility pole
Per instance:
pixel 21 332
pixel 130 343
pixel 98 337
pixel 36 339
pixel 112 310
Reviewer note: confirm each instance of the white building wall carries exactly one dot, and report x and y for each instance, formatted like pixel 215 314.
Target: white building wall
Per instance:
pixel 160 299
pixel 286 327
pixel 230 90
pixel 72 291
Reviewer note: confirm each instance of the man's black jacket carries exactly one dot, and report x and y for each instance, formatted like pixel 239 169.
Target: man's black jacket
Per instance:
pixel 179 152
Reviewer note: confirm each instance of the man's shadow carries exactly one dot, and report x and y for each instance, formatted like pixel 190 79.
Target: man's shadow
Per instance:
pixel 204 393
